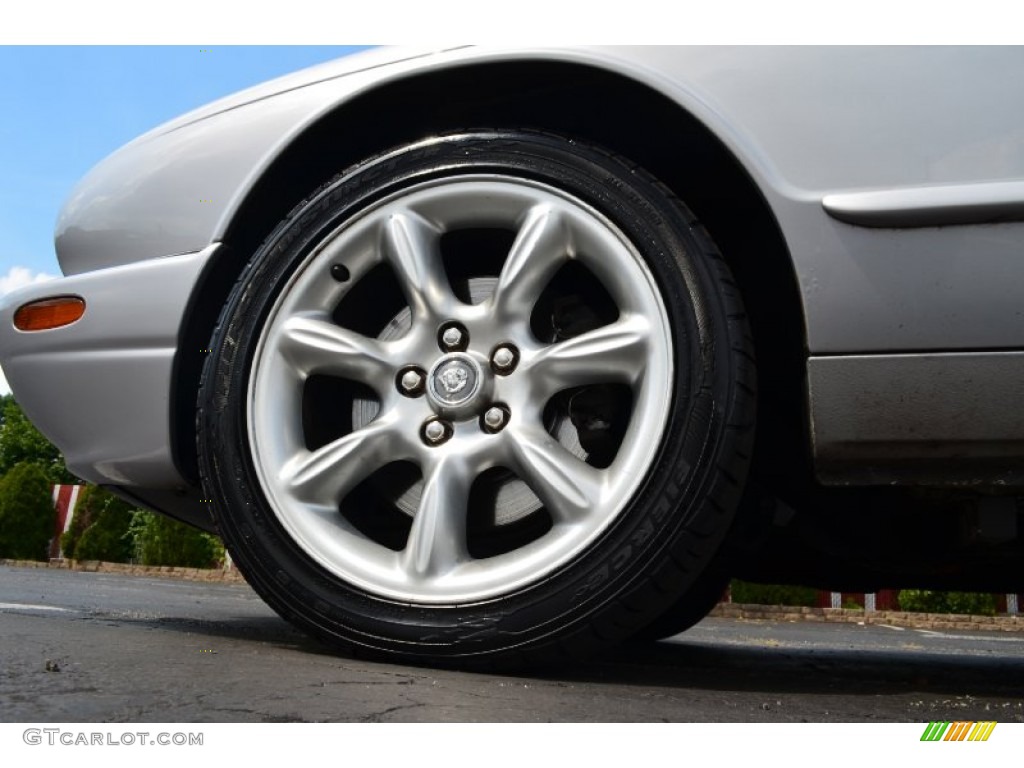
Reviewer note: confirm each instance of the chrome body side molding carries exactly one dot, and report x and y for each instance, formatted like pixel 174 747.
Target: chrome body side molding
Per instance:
pixel 942 205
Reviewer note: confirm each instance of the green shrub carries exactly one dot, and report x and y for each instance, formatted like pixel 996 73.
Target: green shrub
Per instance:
pixel 926 601
pixel 27 518
pixel 159 540
pixel 772 594
pixel 107 536
pixel 84 514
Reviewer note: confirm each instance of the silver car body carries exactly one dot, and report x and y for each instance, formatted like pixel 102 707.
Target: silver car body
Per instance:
pixel 895 176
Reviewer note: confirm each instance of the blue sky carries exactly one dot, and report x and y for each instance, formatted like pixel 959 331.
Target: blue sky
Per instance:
pixel 65 108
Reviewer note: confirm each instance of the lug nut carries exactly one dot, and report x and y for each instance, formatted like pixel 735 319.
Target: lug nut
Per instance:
pixel 454 338
pixel 504 359
pixel 495 418
pixel 411 382
pixel 435 432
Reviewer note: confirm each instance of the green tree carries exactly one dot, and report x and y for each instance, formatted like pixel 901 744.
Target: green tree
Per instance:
pixel 21 442
pixel 26 513
pixel 100 528
pixel 159 540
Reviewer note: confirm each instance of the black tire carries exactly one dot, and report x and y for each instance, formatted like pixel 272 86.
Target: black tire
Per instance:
pixel 690 607
pixel 597 583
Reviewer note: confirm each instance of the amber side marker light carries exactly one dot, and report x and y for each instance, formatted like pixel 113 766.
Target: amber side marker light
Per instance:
pixel 45 314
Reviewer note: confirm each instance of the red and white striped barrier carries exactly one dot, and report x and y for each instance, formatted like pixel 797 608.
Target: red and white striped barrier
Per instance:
pixel 65 499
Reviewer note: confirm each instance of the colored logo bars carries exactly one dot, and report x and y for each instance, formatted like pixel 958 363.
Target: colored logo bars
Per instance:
pixel 958 731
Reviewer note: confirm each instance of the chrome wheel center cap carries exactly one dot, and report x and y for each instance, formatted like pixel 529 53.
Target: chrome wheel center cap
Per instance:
pixel 454 382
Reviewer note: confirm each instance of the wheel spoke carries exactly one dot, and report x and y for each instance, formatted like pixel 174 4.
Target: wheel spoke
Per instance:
pixel 314 345
pixel 568 487
pixel 437 541
pixel 606 355
pixel 328 474
pixel 541 246
pixel 412 246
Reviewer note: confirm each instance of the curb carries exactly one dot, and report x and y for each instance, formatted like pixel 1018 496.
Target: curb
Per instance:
pixel 220 575
pixel 743 612
pixel 906 619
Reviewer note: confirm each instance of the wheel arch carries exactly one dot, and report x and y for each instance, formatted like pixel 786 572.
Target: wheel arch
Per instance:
pixel 587 102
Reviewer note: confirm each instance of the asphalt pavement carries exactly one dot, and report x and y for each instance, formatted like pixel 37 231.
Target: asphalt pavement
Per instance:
pixel 93 647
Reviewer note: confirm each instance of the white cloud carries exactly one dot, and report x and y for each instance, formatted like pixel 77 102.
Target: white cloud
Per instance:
pixel 15 278
pixel 18 277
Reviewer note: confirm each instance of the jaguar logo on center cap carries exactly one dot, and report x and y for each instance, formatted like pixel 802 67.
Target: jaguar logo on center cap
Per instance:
pixel 454 380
